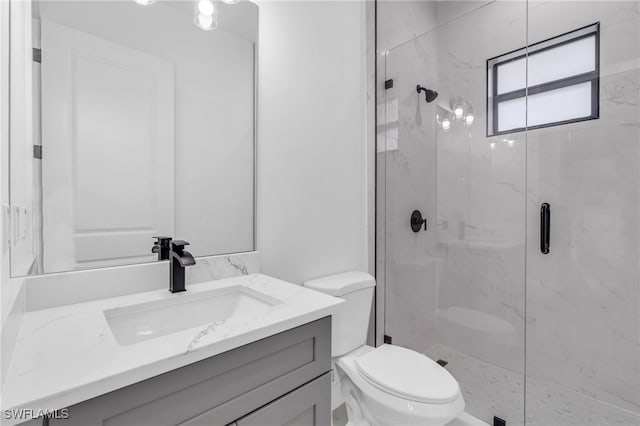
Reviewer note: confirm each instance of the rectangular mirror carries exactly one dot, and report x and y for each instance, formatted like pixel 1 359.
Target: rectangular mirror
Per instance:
pixel 129 120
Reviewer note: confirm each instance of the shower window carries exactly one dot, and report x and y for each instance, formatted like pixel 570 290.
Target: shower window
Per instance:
pixel 551 83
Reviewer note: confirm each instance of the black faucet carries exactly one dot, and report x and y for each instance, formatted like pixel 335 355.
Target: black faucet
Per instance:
pixel 161 246
pixel 178 259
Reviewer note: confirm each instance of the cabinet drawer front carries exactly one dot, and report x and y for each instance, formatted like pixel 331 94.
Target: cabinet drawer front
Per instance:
pixel 233 383
pixel 309 405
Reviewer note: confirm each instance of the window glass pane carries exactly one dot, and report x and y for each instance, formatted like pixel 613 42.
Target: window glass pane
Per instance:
pixel 512 76
pixel 567 103
pixel 555 72
pixel 512 114
pixel 563 61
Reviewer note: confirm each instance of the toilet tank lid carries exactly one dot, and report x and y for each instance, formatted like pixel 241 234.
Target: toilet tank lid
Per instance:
pixel 341 284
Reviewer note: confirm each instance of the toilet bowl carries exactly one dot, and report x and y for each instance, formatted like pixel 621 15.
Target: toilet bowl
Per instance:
pixel 388 385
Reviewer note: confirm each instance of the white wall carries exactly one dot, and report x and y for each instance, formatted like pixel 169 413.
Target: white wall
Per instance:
pixel 21 140
pixel 11 294
pixel 4 187
pixel 312 183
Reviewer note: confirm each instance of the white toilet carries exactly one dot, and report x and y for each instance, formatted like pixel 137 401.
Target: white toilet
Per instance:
pixel 388 385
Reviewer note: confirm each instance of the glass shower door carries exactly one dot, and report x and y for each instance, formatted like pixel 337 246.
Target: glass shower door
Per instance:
pixel 583 297
pixel 455 288
pixel 526 168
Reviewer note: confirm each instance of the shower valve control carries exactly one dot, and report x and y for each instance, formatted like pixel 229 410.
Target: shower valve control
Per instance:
pixel 417 221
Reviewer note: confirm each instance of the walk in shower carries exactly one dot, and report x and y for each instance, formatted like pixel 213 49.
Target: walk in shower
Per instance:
pixel 523 274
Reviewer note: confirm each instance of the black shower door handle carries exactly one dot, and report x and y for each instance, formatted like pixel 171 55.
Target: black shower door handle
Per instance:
pixel 545 227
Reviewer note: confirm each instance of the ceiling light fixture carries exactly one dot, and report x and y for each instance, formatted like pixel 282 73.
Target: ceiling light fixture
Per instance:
pixel 205 7
pixel 206 15
pixel 206 22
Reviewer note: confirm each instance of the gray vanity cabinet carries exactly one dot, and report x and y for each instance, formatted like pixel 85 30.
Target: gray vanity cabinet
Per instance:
pixel 277 381
pixel 310 405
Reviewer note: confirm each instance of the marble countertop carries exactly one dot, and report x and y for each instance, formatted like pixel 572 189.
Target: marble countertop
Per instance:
pixel 68 354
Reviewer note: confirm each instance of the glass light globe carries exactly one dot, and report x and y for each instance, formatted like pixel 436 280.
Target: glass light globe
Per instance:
pixel 145 2
pixel 205 7
pixel 468 119
pixel 206 22
pixel 458 111
pixel 446 124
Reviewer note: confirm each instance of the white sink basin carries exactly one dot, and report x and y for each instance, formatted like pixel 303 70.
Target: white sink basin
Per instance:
pixel 182 311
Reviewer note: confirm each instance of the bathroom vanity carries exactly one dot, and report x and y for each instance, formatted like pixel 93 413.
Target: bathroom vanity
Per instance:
pixel 279 380
pixel 248 365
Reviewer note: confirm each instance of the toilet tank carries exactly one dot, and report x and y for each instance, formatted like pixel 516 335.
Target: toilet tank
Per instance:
pixel 350 324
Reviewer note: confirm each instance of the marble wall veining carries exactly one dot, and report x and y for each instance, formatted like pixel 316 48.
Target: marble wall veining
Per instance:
pixel 401 21
pixel 583 299
pixel 472 287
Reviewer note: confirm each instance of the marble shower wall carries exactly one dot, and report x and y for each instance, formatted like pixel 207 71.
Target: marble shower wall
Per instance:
pixel 396 23
pixel 410 164
pixel 583 299
pixel 457 291
pixel 481 213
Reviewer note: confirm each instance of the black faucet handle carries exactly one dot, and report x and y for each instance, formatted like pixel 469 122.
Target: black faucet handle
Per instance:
pixel 163 241
pixel 178 245
pixel 161 247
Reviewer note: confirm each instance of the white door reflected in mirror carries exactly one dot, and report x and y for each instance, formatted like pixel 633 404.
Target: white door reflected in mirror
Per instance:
pixel 106 104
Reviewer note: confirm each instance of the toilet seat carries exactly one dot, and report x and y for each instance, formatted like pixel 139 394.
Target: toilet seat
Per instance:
pixel 392 407
pixel 408 375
